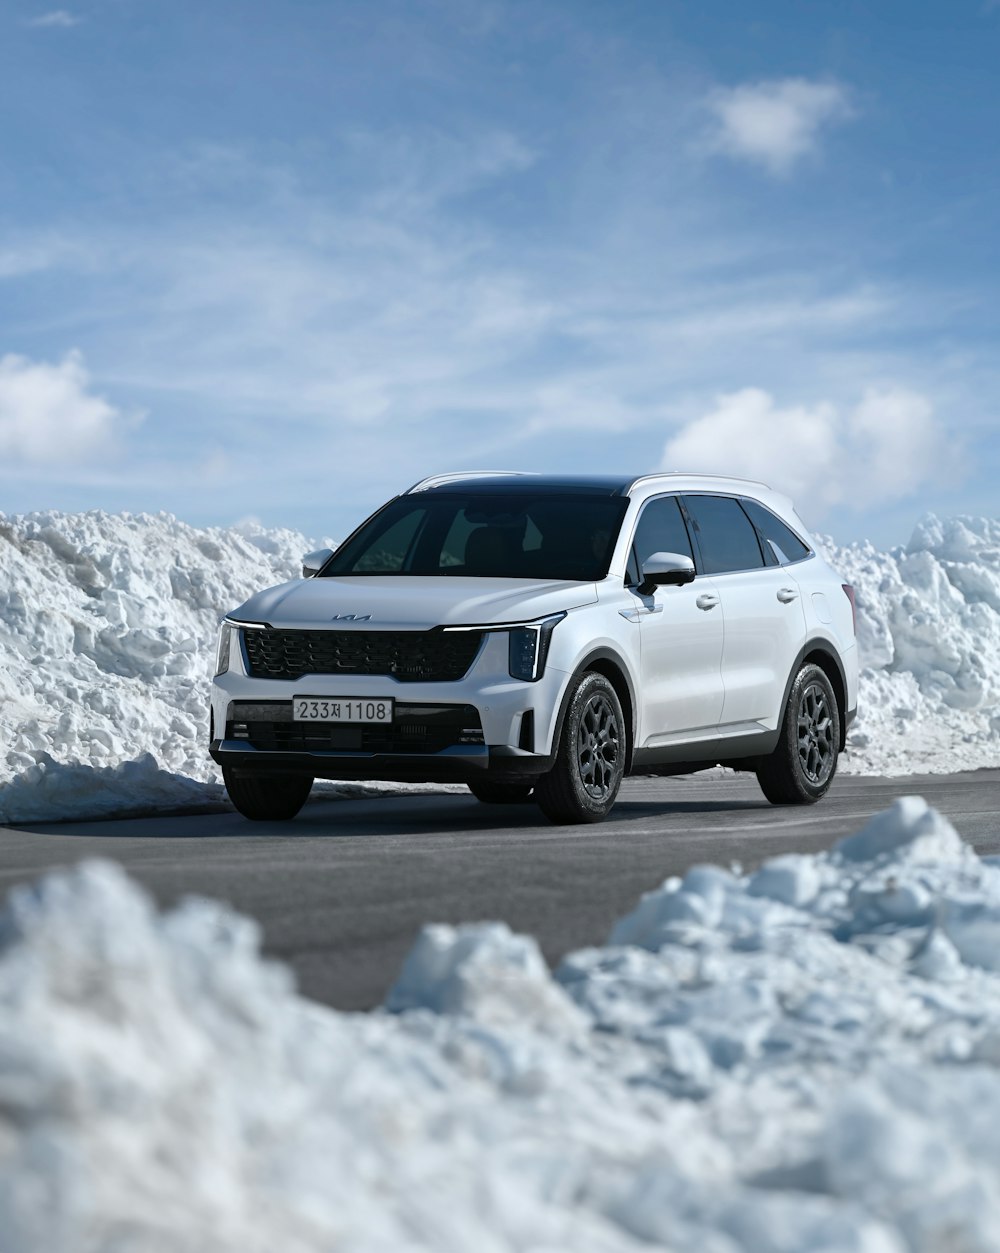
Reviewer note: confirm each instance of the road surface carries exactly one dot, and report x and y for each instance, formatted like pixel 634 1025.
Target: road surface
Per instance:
pixel 342 891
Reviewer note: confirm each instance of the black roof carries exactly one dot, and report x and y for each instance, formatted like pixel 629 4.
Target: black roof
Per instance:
pixel 534 484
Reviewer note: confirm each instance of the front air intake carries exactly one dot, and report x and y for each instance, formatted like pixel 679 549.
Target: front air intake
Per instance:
pixel 408 656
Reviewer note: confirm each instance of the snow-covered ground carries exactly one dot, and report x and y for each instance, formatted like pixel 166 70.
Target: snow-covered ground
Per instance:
pixel 804 1058
pixel 108 626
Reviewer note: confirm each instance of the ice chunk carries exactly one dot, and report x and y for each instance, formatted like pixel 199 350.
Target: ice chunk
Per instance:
pixel 911 828
pixel 484 971
pixel 792 879
pixel 698 899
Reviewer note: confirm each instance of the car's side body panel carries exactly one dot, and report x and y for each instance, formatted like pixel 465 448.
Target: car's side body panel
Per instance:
pixel 682 637
pixel 764 625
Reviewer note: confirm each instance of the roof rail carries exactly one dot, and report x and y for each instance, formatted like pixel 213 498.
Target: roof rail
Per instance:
pixel 436 480
pixel 698 474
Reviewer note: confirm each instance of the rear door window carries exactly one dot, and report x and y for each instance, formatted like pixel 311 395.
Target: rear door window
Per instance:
pixel 726 538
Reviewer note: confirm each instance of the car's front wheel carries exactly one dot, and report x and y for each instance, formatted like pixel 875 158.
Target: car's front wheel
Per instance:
pixel 590 760
pixel 270 797
pixel 496 792
pixel 802 766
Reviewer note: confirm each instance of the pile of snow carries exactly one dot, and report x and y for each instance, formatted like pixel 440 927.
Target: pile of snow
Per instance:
pixel 108 625
pixel 108 628
pixel 929 635
pixel 801 1058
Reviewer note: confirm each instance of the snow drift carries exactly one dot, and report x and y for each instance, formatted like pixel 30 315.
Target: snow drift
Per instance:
pixel 800 1058
pixel 107 629
pixel 929 635
pixel 108 626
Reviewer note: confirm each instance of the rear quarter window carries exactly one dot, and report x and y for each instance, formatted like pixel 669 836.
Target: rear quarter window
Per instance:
pixel 784 543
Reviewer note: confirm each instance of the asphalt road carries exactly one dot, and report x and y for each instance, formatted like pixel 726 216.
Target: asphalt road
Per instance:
pixel 342 891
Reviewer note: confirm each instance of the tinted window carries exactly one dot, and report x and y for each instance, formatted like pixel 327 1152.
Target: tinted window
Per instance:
pixel 725 536
pixel 391 544
pixel 661 529
pixel 783 541
pixel 560 536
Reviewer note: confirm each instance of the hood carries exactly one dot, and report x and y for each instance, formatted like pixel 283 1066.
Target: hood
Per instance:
pixel 401 602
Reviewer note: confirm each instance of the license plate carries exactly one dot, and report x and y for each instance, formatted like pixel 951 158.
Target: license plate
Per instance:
pixel 340 709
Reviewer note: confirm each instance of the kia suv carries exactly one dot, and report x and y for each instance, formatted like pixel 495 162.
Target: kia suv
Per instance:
pixel 539 637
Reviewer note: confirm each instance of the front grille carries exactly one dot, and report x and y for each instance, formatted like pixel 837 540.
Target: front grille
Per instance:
pixel 416 729
pixel 409 656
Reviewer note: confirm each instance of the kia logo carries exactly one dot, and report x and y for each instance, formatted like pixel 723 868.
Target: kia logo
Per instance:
pixel 351 617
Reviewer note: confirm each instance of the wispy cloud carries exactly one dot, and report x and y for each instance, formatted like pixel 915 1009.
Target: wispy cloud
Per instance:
pixel 389 328
pixel 394 335
pixel 776 122
pixel 889 445
pixel 420 168
pixel 49 415
pixel 40 252
pixel 57 18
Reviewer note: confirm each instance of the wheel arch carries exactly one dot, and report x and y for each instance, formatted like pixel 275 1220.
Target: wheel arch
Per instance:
pixel 822 653
pixel 605 661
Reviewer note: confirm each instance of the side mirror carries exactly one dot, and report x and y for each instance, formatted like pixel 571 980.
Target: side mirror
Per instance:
pixel 312 563
pixel 665 568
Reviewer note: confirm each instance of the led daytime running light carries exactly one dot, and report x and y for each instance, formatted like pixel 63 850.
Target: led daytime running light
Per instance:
pixel 528 647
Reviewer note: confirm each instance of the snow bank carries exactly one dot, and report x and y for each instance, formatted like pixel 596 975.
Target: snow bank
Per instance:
pixel 108 626
pixel 929 633
pixel 801 1058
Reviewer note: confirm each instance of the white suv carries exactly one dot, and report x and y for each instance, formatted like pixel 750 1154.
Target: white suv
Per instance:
pixel 543 637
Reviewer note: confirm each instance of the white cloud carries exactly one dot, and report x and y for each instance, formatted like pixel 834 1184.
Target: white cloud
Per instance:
pixel 884 449
pixel 58 18
pixel 902 445
pixel 47 414
pixel 394 335
pixel 776 122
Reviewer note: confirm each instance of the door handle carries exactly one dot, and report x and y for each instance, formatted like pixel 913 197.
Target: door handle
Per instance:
pixel 707 601
pixel 787 594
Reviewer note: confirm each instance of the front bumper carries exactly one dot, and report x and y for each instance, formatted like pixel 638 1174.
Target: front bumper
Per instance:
pixel 458 764
pixel 485 724
pixel 429 742
pixel 451 765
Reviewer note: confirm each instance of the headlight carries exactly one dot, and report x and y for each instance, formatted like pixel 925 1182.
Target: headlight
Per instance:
pixel 225 636
pixel 528 648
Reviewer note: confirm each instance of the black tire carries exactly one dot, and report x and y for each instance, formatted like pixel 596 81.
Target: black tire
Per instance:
pixel 802 766
pixel 590 760
pixel 497 792
pixel 267 797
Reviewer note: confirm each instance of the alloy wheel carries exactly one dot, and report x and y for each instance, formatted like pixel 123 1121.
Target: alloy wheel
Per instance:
pixel 817 752
pixel 599 747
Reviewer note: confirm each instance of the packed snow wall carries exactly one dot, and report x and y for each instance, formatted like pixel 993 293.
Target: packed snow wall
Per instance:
pixel 929 637
pixel 108 626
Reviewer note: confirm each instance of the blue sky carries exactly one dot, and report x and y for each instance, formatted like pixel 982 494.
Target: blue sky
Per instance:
pixel 281 260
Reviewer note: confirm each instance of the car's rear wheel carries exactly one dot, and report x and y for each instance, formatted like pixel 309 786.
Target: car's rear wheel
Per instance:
pixel 270 797
pixel 590 760
pixel 802 766
pixel 495 792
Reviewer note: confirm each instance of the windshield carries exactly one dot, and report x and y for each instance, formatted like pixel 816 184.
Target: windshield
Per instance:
pixel 554 536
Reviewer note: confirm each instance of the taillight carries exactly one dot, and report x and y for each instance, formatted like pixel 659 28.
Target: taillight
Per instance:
pixel 849 593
